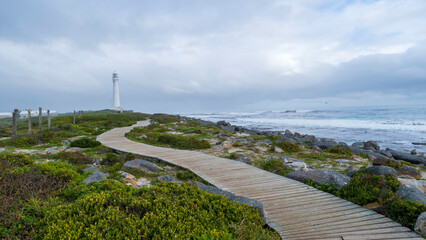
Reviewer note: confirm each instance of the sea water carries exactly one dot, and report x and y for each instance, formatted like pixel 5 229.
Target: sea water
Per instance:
pixel 395 127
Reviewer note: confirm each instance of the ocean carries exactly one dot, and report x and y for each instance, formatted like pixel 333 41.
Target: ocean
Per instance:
pixel 395 127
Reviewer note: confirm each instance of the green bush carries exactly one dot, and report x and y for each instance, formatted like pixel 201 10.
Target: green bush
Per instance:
pixel 32 139
pixel 164 118
pixel 405 212
pixel 59 168
pixel 276 166
pixel 85 142
pixel 110 159
pixel 166 211
pixel 186 175
pixel 288 146
pixel 339 150
pixel 183 142
pixel 77 158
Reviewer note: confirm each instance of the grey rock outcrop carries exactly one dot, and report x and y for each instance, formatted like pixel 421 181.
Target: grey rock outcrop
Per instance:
pixel 96 176
pixel 232 197
pixel 409 192
pixel 168 178
pixel 52 151
pixel 416 159
pixel 265 141
pixel 420 227
pixel 91 169
pixel 410 171
pixel 142 165
pixel 243 159
pixel 320 176
pixel 293 163
pixel 382 170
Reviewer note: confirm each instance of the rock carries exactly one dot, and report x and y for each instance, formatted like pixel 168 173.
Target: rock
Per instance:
pixel 243 159
pixel 419 184
pixel 74 149
pixel 386 153
pixel 168 178
pixel 308 138
pixel 372 206
pixel 358 145
pixel 63 148
pixel 142 165
pixel 66 142
pixel 91 169
pixel 408 170
pixel 321 176
pixel 416 159
pixel 266 142
pixel 420 227
pixel 131 181
pixel 295 164
pixel 414 152
pixel 278 150
pixel 2 149
pixel 98 161
pixel 372 144
pixel 271 157
pixel 288 134
pixel 232 197
pixel 96 176
pixel 218 143
pixel 381 160
pixel 127 175
pixel 315 147
pixel 143 182
pixel 52 151
pixel 409 192
pixel 381 170
pixel 285 139
pixel 352 168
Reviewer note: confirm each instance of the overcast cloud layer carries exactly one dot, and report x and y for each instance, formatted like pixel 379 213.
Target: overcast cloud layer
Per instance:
pixel 183 56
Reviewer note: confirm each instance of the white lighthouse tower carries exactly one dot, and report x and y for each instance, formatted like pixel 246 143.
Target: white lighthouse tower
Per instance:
pixel 116 96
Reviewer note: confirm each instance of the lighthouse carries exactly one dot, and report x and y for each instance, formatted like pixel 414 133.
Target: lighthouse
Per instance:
pixel 116 94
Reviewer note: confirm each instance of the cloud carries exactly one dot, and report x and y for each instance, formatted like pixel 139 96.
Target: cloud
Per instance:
pixel 173 56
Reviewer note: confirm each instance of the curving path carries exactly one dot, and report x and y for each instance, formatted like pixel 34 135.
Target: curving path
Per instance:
pixel 293 209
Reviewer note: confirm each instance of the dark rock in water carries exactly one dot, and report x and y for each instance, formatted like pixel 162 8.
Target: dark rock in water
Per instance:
pixel 324 143
pixel 266 142
pixel 381 160
pixel 410 171
pixel 232 197
pixel 243 159
pixel 168 178
pixel 96 176
pixel 141 165
pixel 372 144
pixel 414 152
pixel 409 192
pixel 381 170
pixel 407 157
pixel 321 176
pixel 223 123
pixel 420 227
pixel 358 145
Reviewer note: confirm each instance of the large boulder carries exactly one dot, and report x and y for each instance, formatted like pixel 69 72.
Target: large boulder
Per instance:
pixel 420 227
pixel 232 197
pixel 381 170
pixel 410 171
pixel 381 160
pixel 372 144
pixel 416 159
pixel 358 145
pixel 293 163
pixel 320 176
pixel 142 165
pixel 96 176
pixel 409 192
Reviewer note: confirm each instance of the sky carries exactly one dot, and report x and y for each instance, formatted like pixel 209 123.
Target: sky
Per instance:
pixel 212 55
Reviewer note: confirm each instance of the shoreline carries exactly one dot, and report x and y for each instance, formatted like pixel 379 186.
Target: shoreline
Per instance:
pixel 369 148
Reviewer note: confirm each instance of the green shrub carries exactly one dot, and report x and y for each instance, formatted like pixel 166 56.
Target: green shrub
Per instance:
pixel 288 146
pixel 405 212
pixel 110 159
pixel 339 150
pixel 32 139
pixel 60 169
pixel 326 187
pixel 183 142
pixel 166 211
pixel 85 142
pixel 276 166
pixel 164 118
pixel 186 176
pixel 73 157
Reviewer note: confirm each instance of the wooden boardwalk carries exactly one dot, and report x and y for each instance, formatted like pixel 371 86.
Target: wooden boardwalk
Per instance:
pixel 293 209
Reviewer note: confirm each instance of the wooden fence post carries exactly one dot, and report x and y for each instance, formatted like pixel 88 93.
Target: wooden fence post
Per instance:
pixel 48 119
pixel 73 121
pixel 14 127
pixel 29 120
pixel 40 119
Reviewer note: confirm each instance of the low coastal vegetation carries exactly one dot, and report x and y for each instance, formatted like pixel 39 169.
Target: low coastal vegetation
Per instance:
pixel 271 153
pixel 45 192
